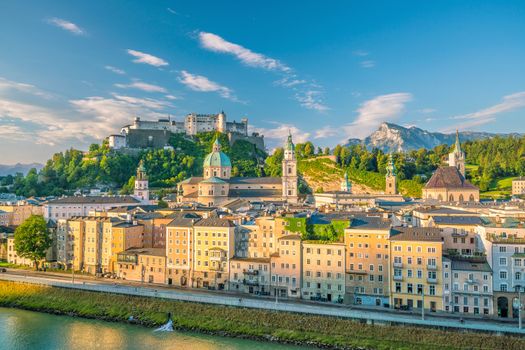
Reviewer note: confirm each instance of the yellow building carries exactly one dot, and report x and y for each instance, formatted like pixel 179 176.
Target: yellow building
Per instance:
pixel 124 235
pixel 214 242
pixel 147 265
pixel 323 271
pixel 367 260
pixel 416 265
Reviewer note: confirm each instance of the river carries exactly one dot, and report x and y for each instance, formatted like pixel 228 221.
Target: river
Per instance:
pixel 21 330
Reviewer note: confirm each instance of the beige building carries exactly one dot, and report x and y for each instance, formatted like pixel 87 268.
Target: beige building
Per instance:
pixel 147 265
pixel 17 214
pixel 518 186
pixel 458 234
pixel 323 267
pixel 250 275
pixel 214 242
pixel 12 256
pixel 367 260
pixel 286 267
pixel 179 251
pixel 417 268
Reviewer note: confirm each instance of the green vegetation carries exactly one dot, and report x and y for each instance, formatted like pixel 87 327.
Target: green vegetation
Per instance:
pixel 256 324
pixel 68 171
pixel 332 232
pixel 32 239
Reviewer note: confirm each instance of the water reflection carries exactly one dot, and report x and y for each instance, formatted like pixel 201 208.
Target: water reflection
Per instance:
pixel 22 330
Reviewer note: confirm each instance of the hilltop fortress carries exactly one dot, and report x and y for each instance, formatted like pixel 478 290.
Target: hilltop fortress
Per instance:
pixel 156 134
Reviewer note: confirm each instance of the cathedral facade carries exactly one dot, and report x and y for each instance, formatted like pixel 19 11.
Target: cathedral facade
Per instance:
pixel 217 187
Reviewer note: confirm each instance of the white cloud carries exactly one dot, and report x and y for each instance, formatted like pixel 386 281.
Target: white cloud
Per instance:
pixel 146 58
pixel 510 102
pixel 142 86
pixel 9 85
pixel 203 84
pixel 375 111
pixel 277 136
pixel 171 97
pixel 290 81
pixel 170 10
pixel 66 25
pixel 215 43
pixel 311 99
pixel 368 64
pixel 115 70
pixel 326 131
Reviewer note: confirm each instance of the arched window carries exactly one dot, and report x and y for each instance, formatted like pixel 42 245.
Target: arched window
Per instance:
pixel 471 198
pixel 440 197
pixel 451 198
pixel 461 198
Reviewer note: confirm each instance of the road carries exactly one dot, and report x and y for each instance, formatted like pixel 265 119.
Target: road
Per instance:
pixel 202 296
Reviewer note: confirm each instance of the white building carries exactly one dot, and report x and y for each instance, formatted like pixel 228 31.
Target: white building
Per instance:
pixel 67 207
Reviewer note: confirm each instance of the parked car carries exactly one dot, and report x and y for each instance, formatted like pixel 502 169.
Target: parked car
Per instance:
pixel 3 269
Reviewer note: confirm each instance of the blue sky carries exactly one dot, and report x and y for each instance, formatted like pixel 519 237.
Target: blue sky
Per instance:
pixel 74 72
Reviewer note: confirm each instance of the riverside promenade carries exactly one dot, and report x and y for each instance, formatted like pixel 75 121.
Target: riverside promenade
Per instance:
pixel 236 300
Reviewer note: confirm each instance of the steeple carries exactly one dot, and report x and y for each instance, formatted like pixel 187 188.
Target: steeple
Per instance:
pixel 289 146
pixel 216 145
pixel 346 186
pixel 391 177
pixel 289 171
pixel 141 171
pixel 141 191
pixel 457 148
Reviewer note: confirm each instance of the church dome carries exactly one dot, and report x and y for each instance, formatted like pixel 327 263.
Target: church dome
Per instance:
pixel 217 158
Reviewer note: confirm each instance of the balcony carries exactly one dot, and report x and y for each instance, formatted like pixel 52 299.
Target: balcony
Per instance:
pixel 398 264
pixel 432 267
pixel 471 281
pixel 218 258
pixel 398 278
pixel 432 280
pixel 251 272
pixel 250 283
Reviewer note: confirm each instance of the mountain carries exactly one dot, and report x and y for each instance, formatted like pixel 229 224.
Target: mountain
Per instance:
pixel 18 168
pixel 391 137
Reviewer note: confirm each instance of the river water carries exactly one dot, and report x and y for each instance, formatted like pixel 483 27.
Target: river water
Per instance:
pixel 20 330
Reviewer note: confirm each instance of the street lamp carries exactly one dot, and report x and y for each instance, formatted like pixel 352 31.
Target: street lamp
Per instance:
pixel 518 288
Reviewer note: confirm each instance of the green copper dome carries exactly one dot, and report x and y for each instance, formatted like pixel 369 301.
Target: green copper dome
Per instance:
pixel 217 158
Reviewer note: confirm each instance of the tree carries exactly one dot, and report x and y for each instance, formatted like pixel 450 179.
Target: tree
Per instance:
pixel 32 239
pixel 327 151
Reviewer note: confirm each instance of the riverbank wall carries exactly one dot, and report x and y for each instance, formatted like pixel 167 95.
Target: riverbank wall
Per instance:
pixel 320 331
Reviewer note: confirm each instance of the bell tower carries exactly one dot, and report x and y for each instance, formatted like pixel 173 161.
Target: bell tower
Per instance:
pixel 289 168
pixel 391 177
pixel 457 157
pixel 141 191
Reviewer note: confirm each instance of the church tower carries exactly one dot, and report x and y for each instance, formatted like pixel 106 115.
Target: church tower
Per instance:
pixel 289 177
pixel 141 191
pixel 457 157
pixel 391 177
pixel 346 186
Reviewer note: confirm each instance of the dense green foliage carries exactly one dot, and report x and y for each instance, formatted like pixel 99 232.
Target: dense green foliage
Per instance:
pixel 32 239
pixel 71 170
pixel 253 323
pixel 332 232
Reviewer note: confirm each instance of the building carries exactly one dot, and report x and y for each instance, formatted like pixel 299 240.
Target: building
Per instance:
pixel 417 268
pixel 141 191
pixel 471 282
pixel 250 275
pixel 214 242
pixel 503 242
pixel 286 271
pixel 346 185
pixel 5 218
pixel 391 177
pixel 323 271
pixel 518 186
pixel 456 158
pixel 458 234
pixel 448 183
pixel 367 260
pixel 12 256
pixel 68 207
pixel 179 251
pixel 146 265
pixel 217 187
pixel 16 214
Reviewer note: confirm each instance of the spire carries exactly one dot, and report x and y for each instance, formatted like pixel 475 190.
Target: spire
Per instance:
pixel 289 142
pixel 141 171
pixel 458 144
pixel 346 176
pixel 216 145
pixel 391 168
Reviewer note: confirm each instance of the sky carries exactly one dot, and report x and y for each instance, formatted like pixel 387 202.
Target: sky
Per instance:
pixel 74 72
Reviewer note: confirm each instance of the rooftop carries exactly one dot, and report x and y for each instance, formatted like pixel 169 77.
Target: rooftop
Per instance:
pixel 370 222
pixel 146 251
pixel 94 200
pixel 428 234
pixel 448 177
pixel 214 222
pixel 470 265
pixel 457 220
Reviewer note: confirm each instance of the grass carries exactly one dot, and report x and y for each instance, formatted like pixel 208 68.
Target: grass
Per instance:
pixel 247 323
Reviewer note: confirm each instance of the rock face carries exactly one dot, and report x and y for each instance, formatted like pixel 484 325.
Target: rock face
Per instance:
pixel 395 138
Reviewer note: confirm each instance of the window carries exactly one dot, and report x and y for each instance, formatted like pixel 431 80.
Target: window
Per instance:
pixel 503 261
pixel 432 290
pixel 503 275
